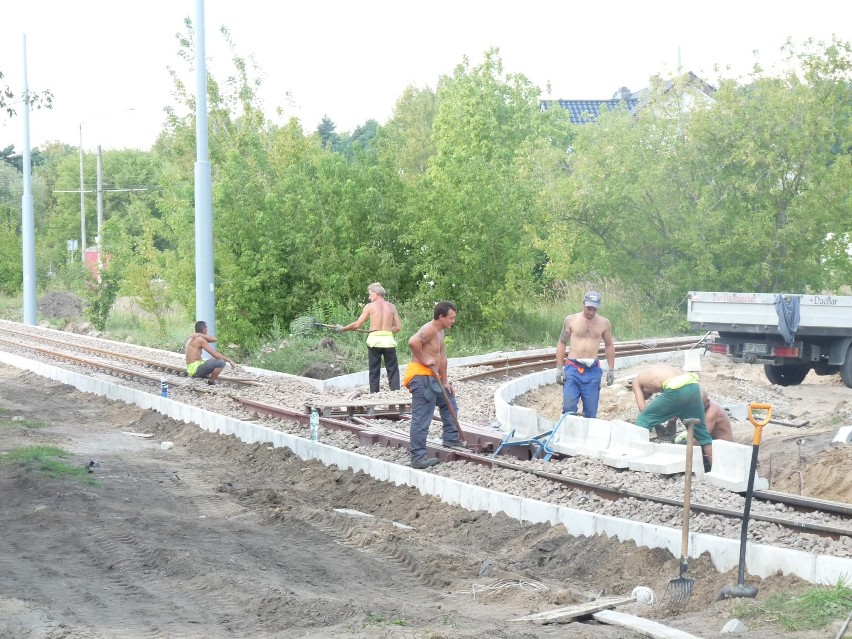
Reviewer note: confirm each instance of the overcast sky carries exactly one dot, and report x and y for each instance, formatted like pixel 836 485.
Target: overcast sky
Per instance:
pixel 352 60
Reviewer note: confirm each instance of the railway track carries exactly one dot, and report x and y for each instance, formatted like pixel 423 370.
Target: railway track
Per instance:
pixel 825 520
pixel 97 358
pixel 369 433
pixel 525 364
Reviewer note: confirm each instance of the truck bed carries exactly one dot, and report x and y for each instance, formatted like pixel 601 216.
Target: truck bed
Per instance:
pixel 755 313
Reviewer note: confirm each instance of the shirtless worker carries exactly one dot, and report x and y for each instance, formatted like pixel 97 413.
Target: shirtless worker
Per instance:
pixel 195 365
pixel 580 375
pixel 384 323
pixel 679 396
pixel 427 358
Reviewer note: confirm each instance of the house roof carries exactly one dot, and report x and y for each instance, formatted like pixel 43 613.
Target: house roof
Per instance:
pixel 585 111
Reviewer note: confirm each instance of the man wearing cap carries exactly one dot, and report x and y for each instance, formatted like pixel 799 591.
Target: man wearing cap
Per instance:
pixel 580 374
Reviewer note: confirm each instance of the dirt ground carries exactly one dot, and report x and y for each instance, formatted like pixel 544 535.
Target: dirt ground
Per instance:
pixel 213 538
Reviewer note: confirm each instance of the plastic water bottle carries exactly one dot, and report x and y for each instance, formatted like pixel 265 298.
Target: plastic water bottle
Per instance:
pixel 164 387
pixel 314 425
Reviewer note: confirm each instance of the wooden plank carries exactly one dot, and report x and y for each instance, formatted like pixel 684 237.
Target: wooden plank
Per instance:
pixel 644 627
pixel 578 610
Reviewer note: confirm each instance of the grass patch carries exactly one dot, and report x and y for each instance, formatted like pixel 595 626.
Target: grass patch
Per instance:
pixel 376 619
pixel 48 460
pixel 813 610
pixel 127 323
pixel 11 422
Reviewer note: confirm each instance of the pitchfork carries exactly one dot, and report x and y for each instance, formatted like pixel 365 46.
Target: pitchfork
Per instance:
pixel 679 589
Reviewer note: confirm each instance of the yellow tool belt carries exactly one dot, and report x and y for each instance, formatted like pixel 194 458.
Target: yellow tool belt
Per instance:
pixel 381 339
pixel 680 381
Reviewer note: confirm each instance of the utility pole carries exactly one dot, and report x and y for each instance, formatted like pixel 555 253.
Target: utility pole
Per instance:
pixel 99 238
pixel 205 295
pixel 27 217
pixel 82 203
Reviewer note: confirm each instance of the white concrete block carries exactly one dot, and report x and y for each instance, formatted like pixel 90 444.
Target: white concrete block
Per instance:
pixel 627 441
pixel 830 570
pixel 572 435
pixel 844 435
pixel 731 464
pixel 763 561
pixel 621 529
pixel 668 459
pixel 578 522
pixel 692 360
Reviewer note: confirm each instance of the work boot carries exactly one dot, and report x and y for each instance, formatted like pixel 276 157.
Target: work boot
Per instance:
pixel 456 443
pixel 424 462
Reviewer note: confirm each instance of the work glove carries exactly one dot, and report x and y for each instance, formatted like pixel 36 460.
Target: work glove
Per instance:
pixel 339 328
pixel 560 378
pixel 610 377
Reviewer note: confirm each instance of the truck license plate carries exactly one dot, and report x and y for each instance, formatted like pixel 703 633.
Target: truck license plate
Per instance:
pixel 755 348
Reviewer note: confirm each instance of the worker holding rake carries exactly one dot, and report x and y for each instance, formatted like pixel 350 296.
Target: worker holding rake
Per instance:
pixel 426 378
pixel 384 323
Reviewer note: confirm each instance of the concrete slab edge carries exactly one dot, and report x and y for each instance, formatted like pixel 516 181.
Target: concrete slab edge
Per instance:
pixel 724 553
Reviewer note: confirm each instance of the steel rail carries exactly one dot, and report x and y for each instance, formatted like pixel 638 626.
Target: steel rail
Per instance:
pixel 522 364
pixel 174 369
pixel 398 439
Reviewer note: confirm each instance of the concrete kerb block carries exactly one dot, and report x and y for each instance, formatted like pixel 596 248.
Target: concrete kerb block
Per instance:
pixel 572 435
pixel 655 536
pixel 724 553
pixel 843 436
pixel 578 522
pixel 731 465
pixel 763 561
pixel 830 570
pixel 598 437
pixel 668 459
pixel 518 417
pixel 621 529
pixel 627 441
pixel 539 512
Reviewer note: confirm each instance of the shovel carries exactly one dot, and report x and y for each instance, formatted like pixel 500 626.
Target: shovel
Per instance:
pixel 741 589
pixel 450 406
pixel 304 325
pixel 679 589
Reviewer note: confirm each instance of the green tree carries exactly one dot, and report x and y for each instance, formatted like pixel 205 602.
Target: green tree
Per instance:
pixel 406 140
pixel 474 213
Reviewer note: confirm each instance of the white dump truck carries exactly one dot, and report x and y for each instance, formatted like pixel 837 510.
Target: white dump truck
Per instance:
pixel 789 334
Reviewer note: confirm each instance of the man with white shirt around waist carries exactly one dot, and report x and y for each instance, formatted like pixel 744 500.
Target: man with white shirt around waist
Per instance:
pixel 580 374
pixel 384 323
pixel 679 397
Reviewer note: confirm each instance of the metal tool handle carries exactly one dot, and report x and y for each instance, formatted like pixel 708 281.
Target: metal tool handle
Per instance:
pixel 449 403
pixel 687 493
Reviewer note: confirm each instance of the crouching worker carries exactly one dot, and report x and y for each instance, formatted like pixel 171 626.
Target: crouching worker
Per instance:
pixel 195 365
pixel 428 357
pixel 679 397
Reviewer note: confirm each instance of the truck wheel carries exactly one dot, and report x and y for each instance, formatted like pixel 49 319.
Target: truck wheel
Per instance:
pixel 786 375
pixel 846 369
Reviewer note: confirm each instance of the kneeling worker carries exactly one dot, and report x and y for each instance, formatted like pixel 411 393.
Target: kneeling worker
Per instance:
pixel 679 397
